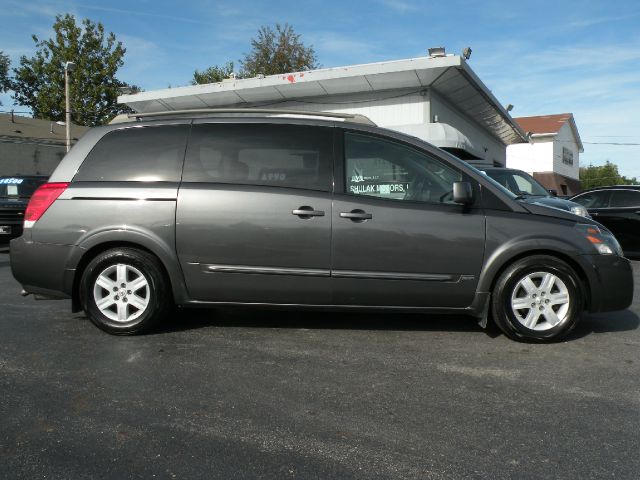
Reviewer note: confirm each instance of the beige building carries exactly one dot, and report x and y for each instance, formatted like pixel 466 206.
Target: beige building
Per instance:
pixel 553 156
pixel 30 146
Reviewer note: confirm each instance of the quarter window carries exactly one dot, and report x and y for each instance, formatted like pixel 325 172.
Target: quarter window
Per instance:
pixel 294 156
pixel 385 169
pixel 144 154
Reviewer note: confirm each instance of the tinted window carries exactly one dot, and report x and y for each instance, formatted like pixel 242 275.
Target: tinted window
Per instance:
pixel 625 198
pixel 598 199
pixel 519 183
pixel 144 154
pixel 294 156
pixel 12 187
pixel 385 169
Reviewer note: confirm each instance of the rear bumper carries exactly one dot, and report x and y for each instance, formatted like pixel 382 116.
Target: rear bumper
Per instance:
pixel 41 267
pixel 611 282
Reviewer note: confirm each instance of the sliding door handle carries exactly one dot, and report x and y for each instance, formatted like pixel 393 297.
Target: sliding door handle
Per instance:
pixel 356 215
pixel 307 212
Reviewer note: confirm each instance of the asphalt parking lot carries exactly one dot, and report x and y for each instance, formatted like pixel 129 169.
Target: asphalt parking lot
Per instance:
pixel 255 394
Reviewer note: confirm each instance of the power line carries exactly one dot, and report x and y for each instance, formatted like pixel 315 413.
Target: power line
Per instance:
pixel 13 111
pixel 590 143
pixel 613 143
pixel 621 144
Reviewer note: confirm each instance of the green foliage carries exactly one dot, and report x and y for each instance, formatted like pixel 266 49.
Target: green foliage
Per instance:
pixel 4 72
pixel 273 51
pixel 5 83
pixel 277 51
pixel 602 176
pixel 212 74
pixel 94 88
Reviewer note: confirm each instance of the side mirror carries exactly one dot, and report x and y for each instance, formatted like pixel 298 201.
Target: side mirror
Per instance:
pixel 554 193
pixel 462 193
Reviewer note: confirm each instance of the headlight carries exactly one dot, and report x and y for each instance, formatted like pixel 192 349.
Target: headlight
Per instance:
pixel 602 240
pixel 580 210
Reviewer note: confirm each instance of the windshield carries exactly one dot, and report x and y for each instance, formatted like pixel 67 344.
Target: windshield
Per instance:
pixel 506 191
pixel 520 183
pixel 13 188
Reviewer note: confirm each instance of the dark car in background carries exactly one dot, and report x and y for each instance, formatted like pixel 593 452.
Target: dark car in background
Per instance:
pixel 529 190
pixel 15 193
pixel 618 209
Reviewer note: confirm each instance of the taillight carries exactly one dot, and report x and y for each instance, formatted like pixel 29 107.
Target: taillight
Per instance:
pixel 41 200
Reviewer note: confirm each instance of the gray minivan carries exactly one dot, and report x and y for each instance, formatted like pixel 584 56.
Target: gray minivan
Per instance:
pixel 200 208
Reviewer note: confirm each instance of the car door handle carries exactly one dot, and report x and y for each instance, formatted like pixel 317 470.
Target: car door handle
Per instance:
pixel 307 212
pixel 356 215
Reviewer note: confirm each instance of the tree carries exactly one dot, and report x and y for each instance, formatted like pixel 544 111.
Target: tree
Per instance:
pixel 212 74
pixel 277 51
pixel 5 82
pixel 603 175
pixel 39 81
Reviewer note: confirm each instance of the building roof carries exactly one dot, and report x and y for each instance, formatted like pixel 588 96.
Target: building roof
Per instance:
pixel 549 125
pixel 543 123
pixel 27 129
pixel 450 76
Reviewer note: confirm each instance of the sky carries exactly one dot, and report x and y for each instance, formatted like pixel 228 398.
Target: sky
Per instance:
pixel 543 57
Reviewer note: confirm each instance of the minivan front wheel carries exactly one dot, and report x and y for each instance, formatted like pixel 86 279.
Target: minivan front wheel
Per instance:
pixel 123 291
pixel 537 299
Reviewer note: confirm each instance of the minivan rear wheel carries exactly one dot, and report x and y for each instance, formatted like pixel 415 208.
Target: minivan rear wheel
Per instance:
pixel 123 291
pixel 537 299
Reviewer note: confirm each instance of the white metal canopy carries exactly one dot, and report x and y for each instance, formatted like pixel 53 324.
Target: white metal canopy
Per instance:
pixel 441 135
pixel 450 76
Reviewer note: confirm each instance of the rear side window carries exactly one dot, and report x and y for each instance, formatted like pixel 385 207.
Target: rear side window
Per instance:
pixel 142 154
pixel 625 198
pixel 293 156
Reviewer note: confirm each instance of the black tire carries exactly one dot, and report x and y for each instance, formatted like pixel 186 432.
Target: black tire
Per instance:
pixel 158 297
pixel 504 315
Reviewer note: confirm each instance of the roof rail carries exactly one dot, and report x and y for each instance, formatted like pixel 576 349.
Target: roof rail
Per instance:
pixel 346 117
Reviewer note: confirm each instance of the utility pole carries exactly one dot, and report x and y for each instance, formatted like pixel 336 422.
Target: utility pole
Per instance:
pixel 68 66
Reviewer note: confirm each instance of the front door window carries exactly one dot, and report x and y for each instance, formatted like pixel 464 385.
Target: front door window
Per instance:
pixel 383 169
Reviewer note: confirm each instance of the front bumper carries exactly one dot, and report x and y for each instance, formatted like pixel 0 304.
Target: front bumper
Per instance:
pixel 610 281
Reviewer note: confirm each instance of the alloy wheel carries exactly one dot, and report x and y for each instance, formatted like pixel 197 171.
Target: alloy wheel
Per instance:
pixel 540 301
pixel 121 292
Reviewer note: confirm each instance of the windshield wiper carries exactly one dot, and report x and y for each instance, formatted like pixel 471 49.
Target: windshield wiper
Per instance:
pixel 524 195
